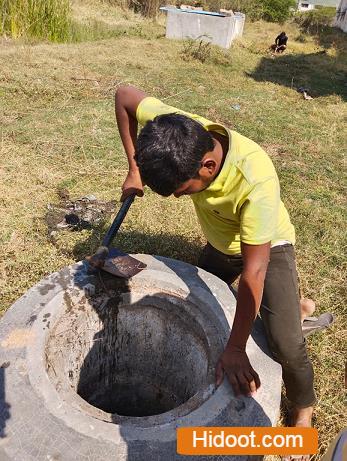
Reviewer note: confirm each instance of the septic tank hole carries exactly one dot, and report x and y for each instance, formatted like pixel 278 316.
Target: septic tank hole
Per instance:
pixel 138 359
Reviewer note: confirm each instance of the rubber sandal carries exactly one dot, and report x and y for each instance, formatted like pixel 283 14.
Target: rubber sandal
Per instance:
pixel 312 324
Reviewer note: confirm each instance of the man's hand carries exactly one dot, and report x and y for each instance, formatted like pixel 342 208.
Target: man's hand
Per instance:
pixel 234 361
pixel 243 378
pixel 132 185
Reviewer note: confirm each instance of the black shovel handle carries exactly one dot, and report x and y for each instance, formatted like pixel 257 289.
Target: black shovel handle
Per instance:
pixel 111 233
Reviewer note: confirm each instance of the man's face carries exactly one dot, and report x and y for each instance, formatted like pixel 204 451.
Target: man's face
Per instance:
pixel 192 186
pixel 206 174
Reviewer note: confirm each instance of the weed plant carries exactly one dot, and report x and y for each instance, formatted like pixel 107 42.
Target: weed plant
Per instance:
pixel 198 49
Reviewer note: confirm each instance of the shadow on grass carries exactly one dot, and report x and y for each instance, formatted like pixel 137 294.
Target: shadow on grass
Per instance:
pixel 320 73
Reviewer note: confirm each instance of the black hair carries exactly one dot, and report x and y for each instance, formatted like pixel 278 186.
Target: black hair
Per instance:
pixel 169 151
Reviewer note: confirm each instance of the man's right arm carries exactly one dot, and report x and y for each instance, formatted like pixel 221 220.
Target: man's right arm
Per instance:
pixel 127 100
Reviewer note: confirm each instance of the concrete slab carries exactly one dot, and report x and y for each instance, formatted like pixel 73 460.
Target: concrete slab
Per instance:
pixel 99 368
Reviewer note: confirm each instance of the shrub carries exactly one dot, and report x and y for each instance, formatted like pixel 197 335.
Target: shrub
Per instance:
pixel 250 7
pixel 270 10
pixel 49 19
pixel 277 10
pixel 316 21
pixel 197 49
pixel 148 8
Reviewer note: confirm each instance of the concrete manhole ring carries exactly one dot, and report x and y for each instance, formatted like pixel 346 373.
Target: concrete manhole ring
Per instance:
pixel 101 368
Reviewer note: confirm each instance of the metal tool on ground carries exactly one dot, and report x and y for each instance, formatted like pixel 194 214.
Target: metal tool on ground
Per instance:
pixel 113 260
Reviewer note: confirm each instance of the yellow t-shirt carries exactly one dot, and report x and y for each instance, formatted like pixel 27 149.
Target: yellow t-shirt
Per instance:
pixel 243 202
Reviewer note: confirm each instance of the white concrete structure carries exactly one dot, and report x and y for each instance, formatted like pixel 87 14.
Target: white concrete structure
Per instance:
pixel 341 16
pixel 306 5
pixel 217 28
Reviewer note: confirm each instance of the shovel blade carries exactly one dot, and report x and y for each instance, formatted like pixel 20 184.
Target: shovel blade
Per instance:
pixel 124 266
pixel 115 262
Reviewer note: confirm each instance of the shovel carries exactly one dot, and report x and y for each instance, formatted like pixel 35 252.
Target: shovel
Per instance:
pixel 113 260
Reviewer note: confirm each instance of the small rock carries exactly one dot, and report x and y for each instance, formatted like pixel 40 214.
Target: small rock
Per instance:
pixel 89 198
pixel 62 225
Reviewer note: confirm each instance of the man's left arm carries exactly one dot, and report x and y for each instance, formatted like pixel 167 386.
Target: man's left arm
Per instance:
pixel 234 360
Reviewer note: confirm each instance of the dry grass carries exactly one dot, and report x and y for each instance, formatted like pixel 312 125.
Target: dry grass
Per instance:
pixel 116 15
pixel 58 130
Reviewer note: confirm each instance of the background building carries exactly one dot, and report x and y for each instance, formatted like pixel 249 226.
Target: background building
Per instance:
pixel 306 5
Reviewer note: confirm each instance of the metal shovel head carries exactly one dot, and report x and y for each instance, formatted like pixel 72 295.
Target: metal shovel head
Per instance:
pixel 116 262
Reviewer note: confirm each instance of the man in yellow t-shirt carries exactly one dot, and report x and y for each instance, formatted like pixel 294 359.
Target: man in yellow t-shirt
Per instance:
pixel 236 194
